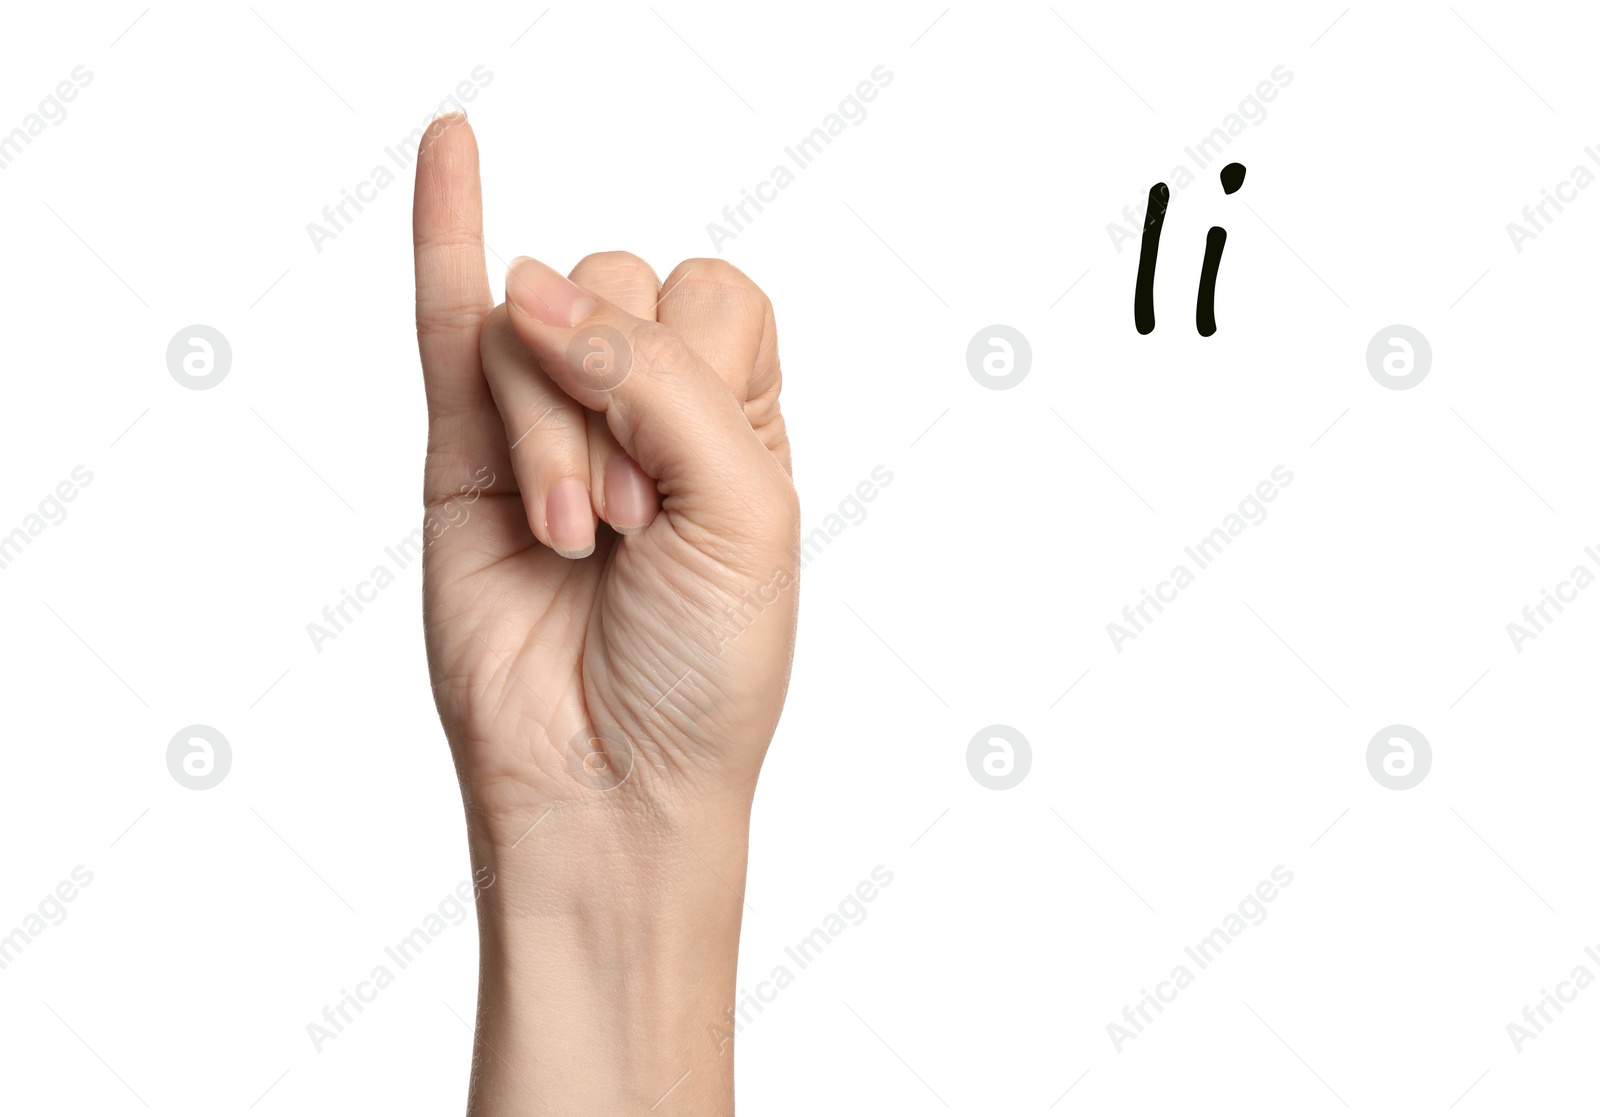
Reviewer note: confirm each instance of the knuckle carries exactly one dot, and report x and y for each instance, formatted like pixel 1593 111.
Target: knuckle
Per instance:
pixel 613 269
pixel 551 444
pixel 712 284
pixel 442 315
pixel 658 351
pixel 710 271
pixel 452 245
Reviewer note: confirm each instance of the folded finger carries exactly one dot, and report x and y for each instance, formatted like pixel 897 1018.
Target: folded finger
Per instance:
pixel 547 435
pixel 624 495
pixel 725 318
pixel 668 409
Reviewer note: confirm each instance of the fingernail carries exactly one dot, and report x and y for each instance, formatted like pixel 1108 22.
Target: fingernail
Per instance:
pixel 630 496
pixel 569 519
pixel 545 295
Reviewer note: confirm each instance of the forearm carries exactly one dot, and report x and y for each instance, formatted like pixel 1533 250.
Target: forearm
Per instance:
pixel 607 962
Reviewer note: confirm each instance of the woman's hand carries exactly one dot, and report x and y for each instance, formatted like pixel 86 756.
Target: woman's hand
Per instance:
pixel 610 601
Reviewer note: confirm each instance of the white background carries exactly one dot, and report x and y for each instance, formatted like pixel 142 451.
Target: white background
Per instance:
pixel 1177 773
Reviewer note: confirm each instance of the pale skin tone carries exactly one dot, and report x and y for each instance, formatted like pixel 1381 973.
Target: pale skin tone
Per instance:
pixel 610 603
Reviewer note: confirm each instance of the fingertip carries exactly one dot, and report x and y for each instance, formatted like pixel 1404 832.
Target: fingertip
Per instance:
pixel 452 123
pixel 448 198
pixel 545 295
pixel 569 519
pixel 630 499
pixel 448 141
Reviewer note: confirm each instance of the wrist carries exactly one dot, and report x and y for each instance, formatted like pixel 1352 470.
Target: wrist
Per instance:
pixel 608 957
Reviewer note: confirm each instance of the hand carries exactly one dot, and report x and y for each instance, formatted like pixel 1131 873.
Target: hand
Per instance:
pixel 610 602
pixel 547 631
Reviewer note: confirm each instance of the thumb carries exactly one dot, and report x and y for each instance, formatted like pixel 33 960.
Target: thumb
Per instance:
pixel 668 409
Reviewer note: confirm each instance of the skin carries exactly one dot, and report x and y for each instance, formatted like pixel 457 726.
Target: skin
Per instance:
pixel 608 709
